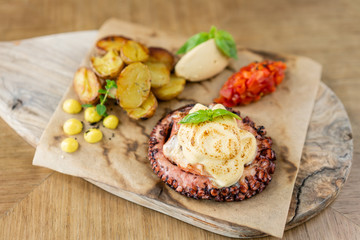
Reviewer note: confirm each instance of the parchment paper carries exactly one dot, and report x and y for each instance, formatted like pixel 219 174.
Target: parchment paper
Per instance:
pixel 120 161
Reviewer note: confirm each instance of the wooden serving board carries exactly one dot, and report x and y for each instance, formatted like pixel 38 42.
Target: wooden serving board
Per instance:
pixel 28 99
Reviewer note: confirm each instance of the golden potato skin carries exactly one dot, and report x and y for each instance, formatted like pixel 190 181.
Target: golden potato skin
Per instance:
pixel 86 85
pixel 146 110
pixel 107 66
pixel 108 43
pixel 170 90
pixel 157 54
pixel 133 52
pixel 134 84
pixel 143 76
pixel 160 74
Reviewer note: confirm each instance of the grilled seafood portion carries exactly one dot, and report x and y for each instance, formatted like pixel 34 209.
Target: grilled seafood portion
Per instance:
pixel 192 180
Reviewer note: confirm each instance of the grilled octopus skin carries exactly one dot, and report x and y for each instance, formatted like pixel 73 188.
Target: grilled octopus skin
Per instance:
pixel 255 178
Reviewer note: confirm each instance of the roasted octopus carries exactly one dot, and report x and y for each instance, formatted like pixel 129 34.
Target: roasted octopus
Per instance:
pixel 255 178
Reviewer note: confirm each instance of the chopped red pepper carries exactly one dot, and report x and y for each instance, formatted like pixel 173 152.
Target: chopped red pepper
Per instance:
pixel 251 83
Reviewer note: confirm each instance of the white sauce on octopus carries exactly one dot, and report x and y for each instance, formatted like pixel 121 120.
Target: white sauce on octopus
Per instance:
pixel 219 148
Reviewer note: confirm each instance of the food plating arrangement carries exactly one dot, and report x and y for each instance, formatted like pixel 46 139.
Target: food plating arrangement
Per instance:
pixel 201 152
pixel 179 125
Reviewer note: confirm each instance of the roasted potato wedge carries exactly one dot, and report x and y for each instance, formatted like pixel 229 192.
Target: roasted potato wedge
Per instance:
pixel 160 74
pixel 86 85
pixel 161 55
pixel 146 110
pixel 170 90
pixel 134 52
pixel 134 84
pixel 111 43
pixel 108 66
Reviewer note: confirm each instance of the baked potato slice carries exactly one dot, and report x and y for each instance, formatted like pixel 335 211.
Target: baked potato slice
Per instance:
pixel 157 54
pixel 134 52
pixel 86 85
pixel 111 43
pixel 170 90
pixel 146 110
pixel 134 83
pixel 160 74
pixel 107 66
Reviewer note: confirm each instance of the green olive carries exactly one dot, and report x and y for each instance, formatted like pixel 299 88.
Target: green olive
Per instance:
pixel 91 115
pixel 69 145
pixel 71 106
pixel 72 126
pixel 111 122
pixel 93 135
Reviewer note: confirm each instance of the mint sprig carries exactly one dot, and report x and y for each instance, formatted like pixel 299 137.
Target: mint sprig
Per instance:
pixel 104 93
pixel 223 40
pixel 206 115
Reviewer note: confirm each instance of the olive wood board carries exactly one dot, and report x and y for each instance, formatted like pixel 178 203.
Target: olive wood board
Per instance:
pixel 28 99
pixel 120 159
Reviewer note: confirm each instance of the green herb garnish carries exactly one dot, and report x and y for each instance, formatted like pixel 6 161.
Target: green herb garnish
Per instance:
pixel 207 115
pixel 104 93
pixel 224 41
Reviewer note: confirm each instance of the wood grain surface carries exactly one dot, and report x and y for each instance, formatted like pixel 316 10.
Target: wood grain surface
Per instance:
pixel 120 162
pixel 324 167
pixel 326 31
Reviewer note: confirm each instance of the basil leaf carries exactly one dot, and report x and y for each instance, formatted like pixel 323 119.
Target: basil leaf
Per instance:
pixel 206 115
pixel 101 109
pixel 225 42
pixel 223 112
pixel 197 117
pixel 193 42
pixel 212 32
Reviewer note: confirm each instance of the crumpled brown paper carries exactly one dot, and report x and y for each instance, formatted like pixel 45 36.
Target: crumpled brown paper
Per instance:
pixel 119 162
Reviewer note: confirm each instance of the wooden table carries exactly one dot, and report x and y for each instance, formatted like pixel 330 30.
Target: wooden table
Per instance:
pixel 36 203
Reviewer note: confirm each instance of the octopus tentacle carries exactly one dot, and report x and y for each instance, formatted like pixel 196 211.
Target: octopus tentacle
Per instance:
pixel 256 176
